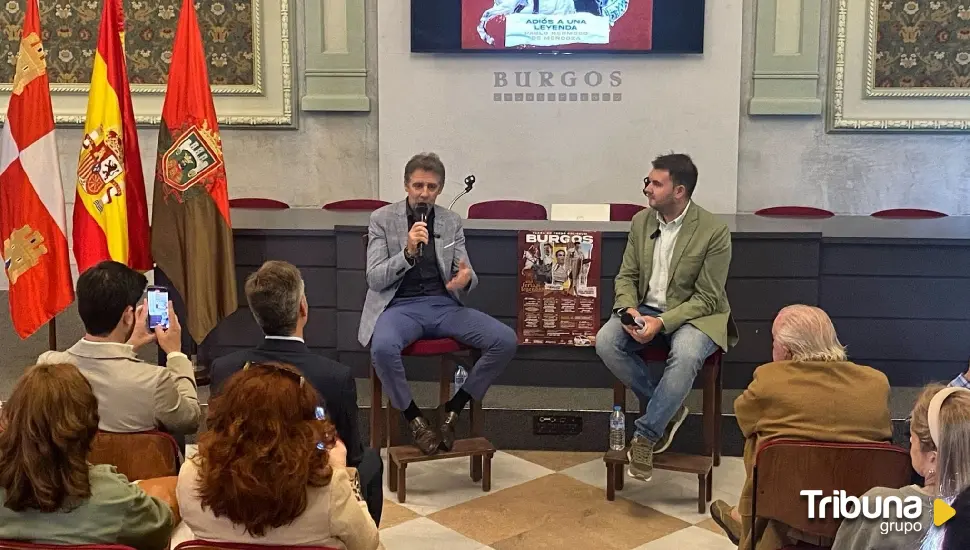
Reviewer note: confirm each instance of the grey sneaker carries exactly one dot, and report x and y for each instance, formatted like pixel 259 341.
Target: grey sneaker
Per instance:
pixel 671 430
pixel 641 458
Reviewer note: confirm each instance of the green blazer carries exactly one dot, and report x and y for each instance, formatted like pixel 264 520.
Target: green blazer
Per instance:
pixel 698 272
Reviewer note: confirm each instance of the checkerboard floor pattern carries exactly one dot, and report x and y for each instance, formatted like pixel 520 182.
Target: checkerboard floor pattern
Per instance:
pixel 551 499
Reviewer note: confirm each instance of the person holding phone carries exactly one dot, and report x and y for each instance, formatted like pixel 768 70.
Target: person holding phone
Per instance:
pixel 669 290
pixel 133 395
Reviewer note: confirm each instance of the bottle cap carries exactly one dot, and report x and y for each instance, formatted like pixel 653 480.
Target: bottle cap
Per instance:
pixel 617 408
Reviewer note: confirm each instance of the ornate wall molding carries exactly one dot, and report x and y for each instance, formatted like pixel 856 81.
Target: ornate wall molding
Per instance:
pixel 336 64
pixel 786 66
pixel 266 100
pixel 850 108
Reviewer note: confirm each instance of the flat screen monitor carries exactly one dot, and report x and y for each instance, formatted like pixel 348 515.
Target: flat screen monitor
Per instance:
pixel 557 26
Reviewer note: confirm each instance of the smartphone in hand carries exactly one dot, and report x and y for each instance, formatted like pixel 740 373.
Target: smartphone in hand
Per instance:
pixel 157 307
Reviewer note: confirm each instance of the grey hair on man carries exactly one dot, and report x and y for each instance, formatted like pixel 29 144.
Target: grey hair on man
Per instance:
pixel 805 333
pixel 274 293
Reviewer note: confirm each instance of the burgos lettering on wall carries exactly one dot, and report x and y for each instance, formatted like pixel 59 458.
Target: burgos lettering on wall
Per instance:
pixel 897 515
pixel 557 87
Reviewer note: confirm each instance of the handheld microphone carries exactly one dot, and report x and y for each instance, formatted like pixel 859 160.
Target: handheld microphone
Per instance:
pixel 630 321
pixel 421 215
pixel 655 234
pixel 469 183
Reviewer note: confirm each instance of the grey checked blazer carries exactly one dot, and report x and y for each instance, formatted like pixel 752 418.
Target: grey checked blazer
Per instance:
pixel 386 266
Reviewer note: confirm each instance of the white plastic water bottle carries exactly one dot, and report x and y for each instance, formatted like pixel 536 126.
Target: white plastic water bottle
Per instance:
pixel 460 376
pixel 617 429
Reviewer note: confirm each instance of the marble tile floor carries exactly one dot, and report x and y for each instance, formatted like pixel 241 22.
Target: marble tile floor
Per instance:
pixel 550 500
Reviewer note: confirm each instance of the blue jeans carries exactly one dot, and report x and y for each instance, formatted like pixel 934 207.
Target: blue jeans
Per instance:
pixel 689 348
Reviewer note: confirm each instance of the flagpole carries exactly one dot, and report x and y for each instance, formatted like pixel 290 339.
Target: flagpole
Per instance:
pixel 52 334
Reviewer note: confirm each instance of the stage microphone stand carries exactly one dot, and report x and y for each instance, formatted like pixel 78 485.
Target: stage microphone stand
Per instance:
pixel 469 183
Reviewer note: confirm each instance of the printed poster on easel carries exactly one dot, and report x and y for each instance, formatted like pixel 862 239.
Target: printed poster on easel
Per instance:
pixel 559 298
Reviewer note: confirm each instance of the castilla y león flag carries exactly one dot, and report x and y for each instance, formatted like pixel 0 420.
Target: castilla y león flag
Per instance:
pixel 191 229
pixel 110 212
pixel 33 224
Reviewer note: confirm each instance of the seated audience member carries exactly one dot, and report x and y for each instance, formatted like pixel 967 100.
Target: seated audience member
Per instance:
pixel 133 396
pixel 956 532
pixel 49 492
pixel 415 293
pixel 931 456
pixel 271 470
pixel 811 391
pixel 671 280
pixel 277 299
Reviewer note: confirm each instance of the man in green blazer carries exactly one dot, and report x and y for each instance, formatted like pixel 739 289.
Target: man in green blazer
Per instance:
pixel 671 282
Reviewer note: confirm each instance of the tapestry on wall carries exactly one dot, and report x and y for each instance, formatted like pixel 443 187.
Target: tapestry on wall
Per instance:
pixel 918 48
pixel 70 34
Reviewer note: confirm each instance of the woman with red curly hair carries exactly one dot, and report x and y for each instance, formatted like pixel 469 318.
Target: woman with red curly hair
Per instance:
pixel 270 469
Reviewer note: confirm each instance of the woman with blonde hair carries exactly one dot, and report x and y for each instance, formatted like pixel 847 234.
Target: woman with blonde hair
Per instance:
pixel 47 488
pixel 270 469
pixel 940 452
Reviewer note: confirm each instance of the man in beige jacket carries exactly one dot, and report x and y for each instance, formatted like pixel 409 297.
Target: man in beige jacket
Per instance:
pixel 133 396
pixel 810 391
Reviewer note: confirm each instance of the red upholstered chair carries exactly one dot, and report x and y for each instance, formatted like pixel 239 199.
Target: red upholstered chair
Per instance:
pixel 712 389
pixel 783 468
pixel 257 203
pixel 507 210
pixel 795 212
pixel 908 214
pixel 364 205
pixel 624 212
pixel 199 544
pixel 21 545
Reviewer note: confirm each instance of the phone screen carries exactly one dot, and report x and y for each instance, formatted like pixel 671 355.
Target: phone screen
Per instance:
pixel 157 307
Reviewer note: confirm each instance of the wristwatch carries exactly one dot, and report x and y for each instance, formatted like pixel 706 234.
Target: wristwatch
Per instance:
pixel 408 257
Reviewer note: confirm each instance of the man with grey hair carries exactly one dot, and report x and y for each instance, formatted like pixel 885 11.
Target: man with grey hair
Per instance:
pixel 276 297
pixel 810 391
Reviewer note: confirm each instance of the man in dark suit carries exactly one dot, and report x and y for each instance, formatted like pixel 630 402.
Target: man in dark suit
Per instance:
pixel 275 294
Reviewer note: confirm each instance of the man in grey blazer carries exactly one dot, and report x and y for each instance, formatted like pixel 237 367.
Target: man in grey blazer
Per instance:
pixel 415 285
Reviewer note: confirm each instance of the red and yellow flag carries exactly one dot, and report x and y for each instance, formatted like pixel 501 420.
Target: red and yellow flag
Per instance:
pixel 33 222
pixel 191 229
pixel 110 212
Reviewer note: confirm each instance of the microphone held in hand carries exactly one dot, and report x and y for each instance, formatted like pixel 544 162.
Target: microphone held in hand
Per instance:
pixel 421 215
pixel 631 321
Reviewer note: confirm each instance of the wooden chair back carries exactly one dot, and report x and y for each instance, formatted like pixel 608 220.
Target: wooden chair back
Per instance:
pixel 139 455
pixel 784 468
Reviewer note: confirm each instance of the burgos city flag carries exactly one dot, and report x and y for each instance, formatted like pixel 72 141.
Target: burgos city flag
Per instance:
pixel 33 223
pixel 110 212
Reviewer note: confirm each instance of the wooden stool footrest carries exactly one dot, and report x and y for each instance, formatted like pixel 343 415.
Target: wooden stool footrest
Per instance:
pixel 702 466
pixel 480 465
pixel 405 454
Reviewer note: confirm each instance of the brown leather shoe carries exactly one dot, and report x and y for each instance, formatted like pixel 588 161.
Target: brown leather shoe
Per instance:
pixel 424 437
pixel 448 419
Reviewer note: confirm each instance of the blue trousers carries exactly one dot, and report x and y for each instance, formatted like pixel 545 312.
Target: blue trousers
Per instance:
pixel 427 317
pixel 689 348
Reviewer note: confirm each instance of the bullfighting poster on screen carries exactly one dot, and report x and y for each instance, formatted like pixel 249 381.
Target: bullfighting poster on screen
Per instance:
pixel 581 24
pixel 559 294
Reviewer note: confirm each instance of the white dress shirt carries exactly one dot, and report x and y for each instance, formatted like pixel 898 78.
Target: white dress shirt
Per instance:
pixel 291 338
pixel 663 251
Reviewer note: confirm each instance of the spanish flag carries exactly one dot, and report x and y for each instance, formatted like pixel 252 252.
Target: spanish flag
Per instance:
pixel 110 212
pixel 191 229
pixel 33 222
